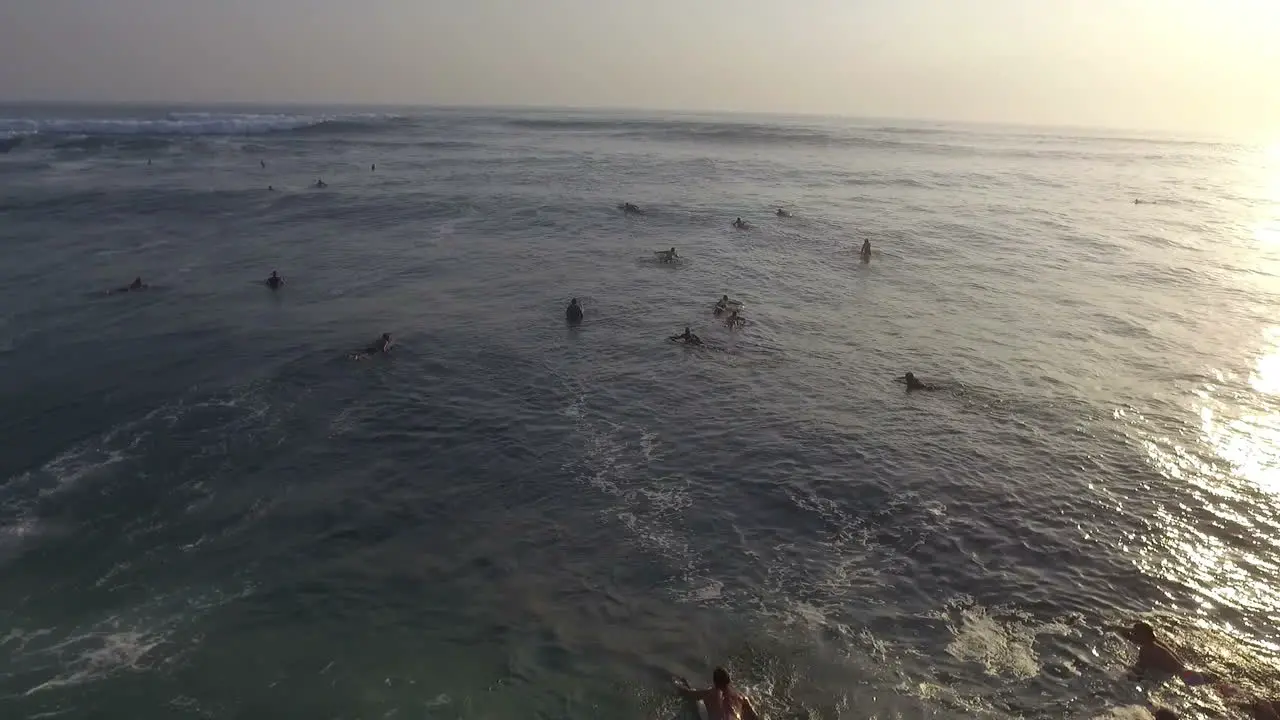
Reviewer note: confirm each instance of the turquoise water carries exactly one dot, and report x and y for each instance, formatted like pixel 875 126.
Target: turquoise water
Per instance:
pixel 207 510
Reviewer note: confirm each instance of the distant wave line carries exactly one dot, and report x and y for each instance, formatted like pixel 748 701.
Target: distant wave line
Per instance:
pixel 190 124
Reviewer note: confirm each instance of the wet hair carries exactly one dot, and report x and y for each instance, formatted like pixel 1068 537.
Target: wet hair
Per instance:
pixel 1165 714
pixel 720 677
pixel 1142 630
pixel 386 336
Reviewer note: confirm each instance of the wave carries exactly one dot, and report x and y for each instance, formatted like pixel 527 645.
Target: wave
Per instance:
pixel 190 125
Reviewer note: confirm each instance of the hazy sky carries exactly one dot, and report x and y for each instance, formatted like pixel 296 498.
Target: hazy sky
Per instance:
pixel 1194 65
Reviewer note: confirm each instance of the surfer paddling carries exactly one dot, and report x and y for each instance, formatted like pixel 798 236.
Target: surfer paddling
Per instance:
pixel 723 700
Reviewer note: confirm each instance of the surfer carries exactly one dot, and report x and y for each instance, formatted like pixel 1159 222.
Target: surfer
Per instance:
pixel 721 305
pixel 865 252
pixel 913 383
pixel 1152 654
pixel 631 209
pixel 573 313
pixel 733 321
pixel 740 224
pixel 723 701
pixel 1155 655
pixel 666 256
pixel 321 183
pixel 783 213
pixel 687 337
pixel 380 346
pixel 275 281
pixel 137 284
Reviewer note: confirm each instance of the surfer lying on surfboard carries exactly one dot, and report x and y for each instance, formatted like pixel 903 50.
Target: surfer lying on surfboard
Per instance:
pixel 723 701
pixel 380 346
pixel 137 284
pixel 1155 655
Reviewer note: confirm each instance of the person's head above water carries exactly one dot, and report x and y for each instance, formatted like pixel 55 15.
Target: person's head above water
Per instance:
pixel 275 274
pixel 909 376
pixel 573 301
pixel 724 298
pixel 720 678
pixel 1141 633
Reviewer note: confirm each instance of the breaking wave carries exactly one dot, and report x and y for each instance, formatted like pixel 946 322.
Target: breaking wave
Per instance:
pixel 190 124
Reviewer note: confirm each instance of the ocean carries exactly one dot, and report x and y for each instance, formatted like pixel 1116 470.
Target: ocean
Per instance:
pixel 208 510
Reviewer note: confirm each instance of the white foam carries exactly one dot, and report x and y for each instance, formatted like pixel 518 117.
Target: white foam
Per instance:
pixel 1003 648
pixel 107 653
pixel 176 124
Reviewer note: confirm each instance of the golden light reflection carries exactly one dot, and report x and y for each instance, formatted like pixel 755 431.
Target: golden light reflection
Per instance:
pixel 1250 442
pixel 1220 537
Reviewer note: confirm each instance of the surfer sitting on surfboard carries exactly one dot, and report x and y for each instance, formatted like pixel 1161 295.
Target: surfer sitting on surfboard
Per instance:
pixel 723 701
pixel 687 337
pixel 666 256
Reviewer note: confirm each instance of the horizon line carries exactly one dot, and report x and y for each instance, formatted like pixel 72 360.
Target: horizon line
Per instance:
pixel 1168 133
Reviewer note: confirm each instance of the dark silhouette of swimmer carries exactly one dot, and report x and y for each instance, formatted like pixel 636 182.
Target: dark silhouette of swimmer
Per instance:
pixel 740 224
pixel 573 313
pixel 270 189
pixel 275 281
pixel 783 213
pixel 321 183
pixel 380 346
pixel 721 305
pixel 913 383
pixel 1154 655
pixel 666 256
pixel 723 701
pixel 631 209
pixel 687 337
pixel 865 252
pixel 137 284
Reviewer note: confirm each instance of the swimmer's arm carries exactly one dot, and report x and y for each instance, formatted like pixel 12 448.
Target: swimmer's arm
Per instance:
pixel 688 693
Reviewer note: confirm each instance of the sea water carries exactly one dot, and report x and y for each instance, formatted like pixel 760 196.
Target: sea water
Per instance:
pixel 207 510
